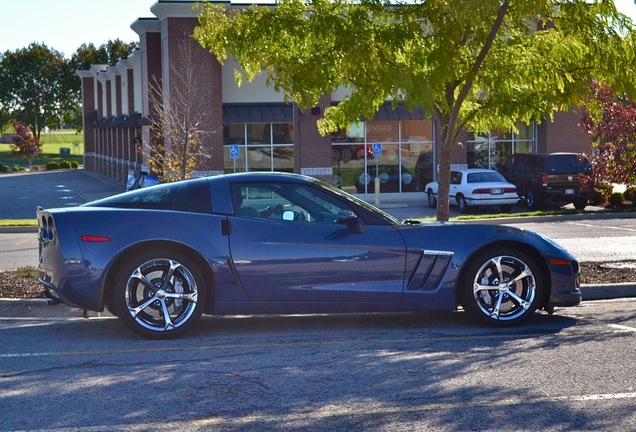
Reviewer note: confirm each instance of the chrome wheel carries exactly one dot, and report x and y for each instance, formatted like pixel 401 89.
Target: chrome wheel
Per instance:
pixel 161 297
pixel 504 288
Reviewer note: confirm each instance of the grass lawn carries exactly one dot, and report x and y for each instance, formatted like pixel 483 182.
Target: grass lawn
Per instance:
pixel 51 145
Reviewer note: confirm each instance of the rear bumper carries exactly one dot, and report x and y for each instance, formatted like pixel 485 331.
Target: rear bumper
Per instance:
pixel 53 296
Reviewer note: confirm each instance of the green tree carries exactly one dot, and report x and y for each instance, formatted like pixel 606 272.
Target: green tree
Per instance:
pixel 5 119
pixel 473 64
pixel 31 86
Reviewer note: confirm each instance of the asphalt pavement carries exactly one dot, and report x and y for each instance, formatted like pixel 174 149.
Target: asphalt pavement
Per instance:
pixel 21 193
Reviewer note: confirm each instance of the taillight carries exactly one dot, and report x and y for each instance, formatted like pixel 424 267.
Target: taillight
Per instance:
pixel 544 181
pixel 510 190
pixel 481 191
pixel 94 239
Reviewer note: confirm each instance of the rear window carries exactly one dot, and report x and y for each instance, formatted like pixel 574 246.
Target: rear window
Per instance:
pixel 567 164
pixel 189 195
pixel 485 177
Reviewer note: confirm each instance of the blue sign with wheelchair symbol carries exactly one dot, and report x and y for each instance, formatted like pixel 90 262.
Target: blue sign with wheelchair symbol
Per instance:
pixel 234 152
pixel 377 149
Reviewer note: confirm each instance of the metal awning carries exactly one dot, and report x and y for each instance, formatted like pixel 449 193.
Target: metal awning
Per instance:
pixel 258 113
pixel 399 113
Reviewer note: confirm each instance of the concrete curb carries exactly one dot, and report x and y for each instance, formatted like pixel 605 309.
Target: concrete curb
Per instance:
pixel 37 308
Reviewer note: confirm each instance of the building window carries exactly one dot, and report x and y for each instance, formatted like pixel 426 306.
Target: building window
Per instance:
pixel 494 148
pixel 405 163
pixel 258 147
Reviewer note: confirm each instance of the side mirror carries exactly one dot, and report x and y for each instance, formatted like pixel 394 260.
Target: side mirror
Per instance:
pixel 289 215
pixel 351 221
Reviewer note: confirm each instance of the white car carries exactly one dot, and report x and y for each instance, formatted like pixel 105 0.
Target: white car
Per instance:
pixel 473 187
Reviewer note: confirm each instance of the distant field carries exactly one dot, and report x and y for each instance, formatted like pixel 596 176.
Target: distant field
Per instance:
pixel 51 144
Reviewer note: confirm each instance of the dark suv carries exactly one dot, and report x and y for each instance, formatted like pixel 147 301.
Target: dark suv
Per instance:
pixel 555 176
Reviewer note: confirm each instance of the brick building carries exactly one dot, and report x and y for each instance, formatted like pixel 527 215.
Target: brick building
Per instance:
pixel 251 128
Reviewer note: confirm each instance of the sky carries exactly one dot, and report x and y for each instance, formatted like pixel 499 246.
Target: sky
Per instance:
pixel 64 25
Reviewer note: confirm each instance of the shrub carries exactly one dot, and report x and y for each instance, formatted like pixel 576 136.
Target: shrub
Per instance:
pixel 52 166
pixel 628 195
pixel 616 199
pixel 17 168
pixel 65 165
pixel 27 272
pixel 597 198
pixel 4 168
pixel 74 164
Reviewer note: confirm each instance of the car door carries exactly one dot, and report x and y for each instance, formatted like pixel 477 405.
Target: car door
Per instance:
pixel 455 183
pixel 292 249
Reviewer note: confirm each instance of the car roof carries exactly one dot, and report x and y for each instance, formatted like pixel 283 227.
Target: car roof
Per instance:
pixel 473 170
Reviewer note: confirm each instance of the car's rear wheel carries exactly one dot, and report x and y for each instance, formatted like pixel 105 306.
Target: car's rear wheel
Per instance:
pixel 533 201
pixel 580 203
pixel 462 204
pixel 432 201
pixel 501 286
pixel 159 294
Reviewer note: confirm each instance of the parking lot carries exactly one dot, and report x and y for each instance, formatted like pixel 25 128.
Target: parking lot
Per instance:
pixel 570 371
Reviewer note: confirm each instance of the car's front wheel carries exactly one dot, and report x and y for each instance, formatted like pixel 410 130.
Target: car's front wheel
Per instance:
pixel 432 201
pixel 159 294
pixel 501 286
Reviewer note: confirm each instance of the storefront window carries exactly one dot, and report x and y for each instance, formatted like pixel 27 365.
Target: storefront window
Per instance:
pixel 406 158
pixel 493 149
pixel 258 147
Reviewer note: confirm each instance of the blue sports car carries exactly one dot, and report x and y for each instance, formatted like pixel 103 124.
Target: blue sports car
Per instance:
pixel 274 243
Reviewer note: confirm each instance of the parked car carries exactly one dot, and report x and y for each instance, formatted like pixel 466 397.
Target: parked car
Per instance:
pixel 476 187
pixel 275 243
pixel 559 177
pixel 390 178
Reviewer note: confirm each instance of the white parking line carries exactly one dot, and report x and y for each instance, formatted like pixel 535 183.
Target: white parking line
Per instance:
pixel 622 328
pixel 604 226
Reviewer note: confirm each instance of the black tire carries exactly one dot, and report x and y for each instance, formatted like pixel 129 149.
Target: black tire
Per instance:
pixel 533 200
pixel 159 294
pixel 432 201
pixel 462 204
pixel 580 203
pixel 516 281
pixel 506 208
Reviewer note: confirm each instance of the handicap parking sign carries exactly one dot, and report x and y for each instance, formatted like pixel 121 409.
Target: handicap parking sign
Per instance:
pixel 234 152
pixel 377 149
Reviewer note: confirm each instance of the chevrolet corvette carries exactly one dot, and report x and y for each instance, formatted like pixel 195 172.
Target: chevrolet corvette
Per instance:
pixel 274 243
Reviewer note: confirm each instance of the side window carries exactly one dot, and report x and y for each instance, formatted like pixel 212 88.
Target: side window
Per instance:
pixel 456 177
pixel 289 202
